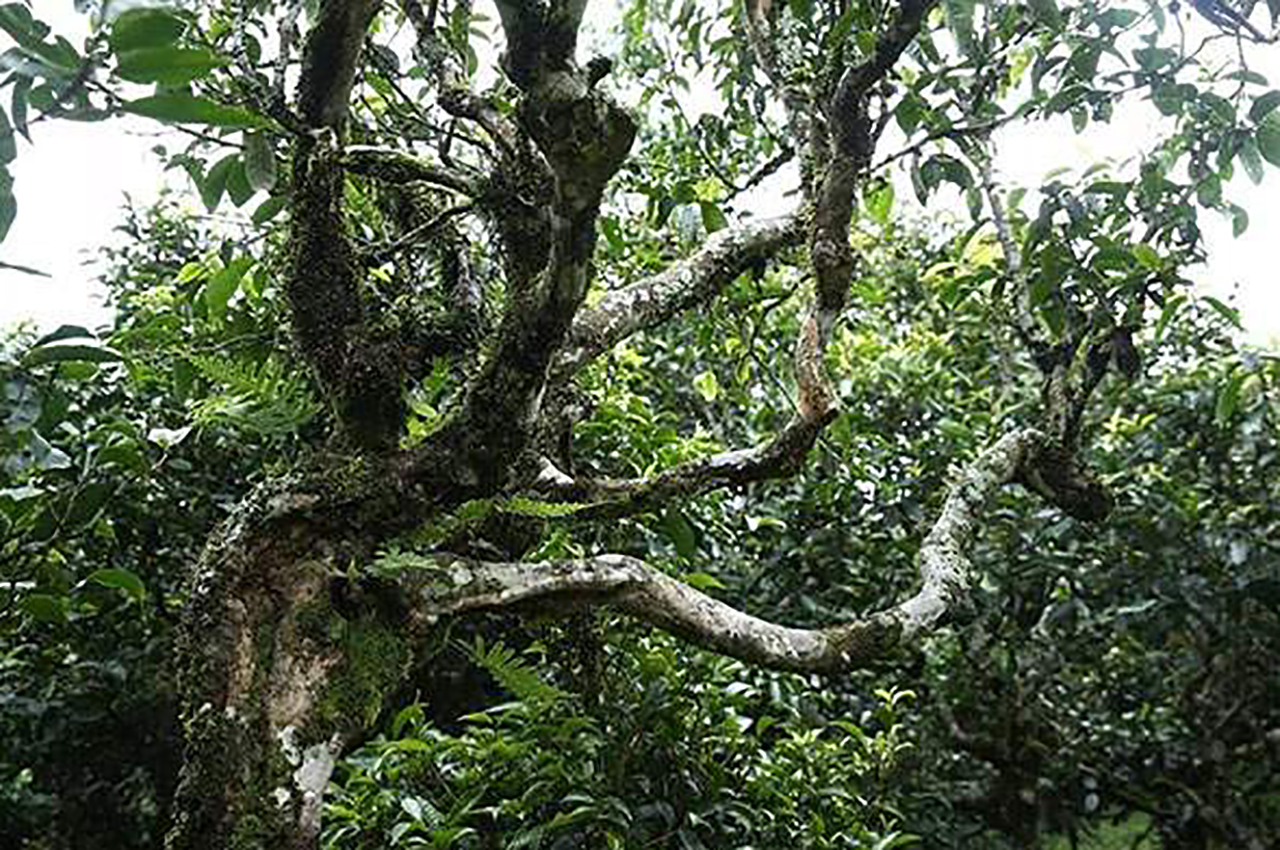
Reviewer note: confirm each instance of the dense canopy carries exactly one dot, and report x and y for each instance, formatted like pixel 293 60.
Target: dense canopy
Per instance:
pixel 403 506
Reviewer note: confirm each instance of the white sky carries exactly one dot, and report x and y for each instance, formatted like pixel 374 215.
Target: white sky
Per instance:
pixel 71 182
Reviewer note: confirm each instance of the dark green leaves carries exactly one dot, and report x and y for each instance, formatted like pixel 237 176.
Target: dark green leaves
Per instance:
pixel 681 532
pixel 168 65
pixel 1046 12
pixel 71 352
pixel 1251 159
pixel 8 143
pixel 960 21
pixel 938 169
pixel 8 203
pixel 123 580
pixel 1263 105
pixel 188 109
pixel 1268 138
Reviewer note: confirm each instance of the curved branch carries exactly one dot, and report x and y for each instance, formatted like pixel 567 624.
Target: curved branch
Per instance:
pixel 447 585
pixel 397 167
pixel 609 498
pixel 692 281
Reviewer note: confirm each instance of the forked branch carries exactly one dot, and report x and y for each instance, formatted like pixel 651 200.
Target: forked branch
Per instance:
pixel 448 585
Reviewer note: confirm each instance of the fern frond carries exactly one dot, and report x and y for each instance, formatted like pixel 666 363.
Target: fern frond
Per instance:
pixel 261 397
pixel 516 676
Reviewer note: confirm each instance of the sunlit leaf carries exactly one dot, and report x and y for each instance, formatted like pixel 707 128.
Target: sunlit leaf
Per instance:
pixel 137 29
pixel 702 581
pixel 120 579
pixel 713 218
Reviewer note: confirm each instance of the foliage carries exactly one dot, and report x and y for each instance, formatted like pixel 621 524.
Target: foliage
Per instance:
pixel 678 749
pixel 112 476
pixel 1121 674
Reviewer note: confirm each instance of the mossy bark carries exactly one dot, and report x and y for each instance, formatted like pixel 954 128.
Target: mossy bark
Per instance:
pixel 283 665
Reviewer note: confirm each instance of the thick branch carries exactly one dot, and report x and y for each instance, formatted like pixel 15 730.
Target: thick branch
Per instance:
pixel 806 124
pixel 330 60
pixel 692 281
pixel 449 585
pixel 580 139
pixel 360 372
pixel 454 93
pixel 541 39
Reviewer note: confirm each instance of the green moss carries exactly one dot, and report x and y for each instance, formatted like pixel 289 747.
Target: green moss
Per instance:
pixel 314 620
pixel 374 660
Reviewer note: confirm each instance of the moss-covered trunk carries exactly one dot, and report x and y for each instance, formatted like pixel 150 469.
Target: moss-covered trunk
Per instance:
pixel 282 665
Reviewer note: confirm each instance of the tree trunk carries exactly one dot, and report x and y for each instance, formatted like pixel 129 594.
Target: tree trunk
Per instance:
pixel 284 662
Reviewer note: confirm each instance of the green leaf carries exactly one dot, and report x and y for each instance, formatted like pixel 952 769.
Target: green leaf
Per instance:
pixel 1229 397
pixel 8 141
pixel 1251 159
pixel 702 581
pixel 1263 105
pixel 1168 99
pixel 16 20
pixel 712 217
pixel 960 22
pixel 45 607
pixel 681 533
pixel 142 28
pixel 8 203
pixel 879 201
pixel 238 188
pixel 220 288
pixel 909 111
pixel 1231 314
pixel 707 386
pixel 260 163
pixel 1147 256
pixel 61 353
pixel 1046 12
pixel 215 183
pixel 269 208
pixel 18 109
pixel 1209 191
pixel 65 332
pixel 1268 137
pixel 186 109
pixel 119 579
pixel 171 66
pixel 1239 220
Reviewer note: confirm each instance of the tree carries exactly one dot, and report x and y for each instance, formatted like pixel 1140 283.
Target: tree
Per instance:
pixel 444 234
